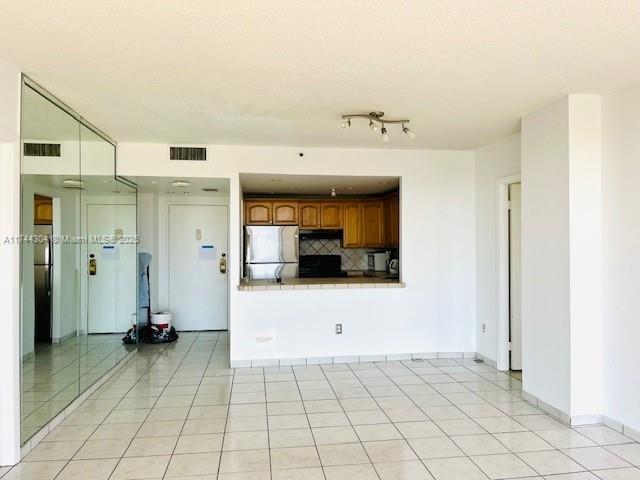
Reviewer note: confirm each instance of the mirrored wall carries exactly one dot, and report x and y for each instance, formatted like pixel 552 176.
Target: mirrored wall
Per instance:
pixel 78 254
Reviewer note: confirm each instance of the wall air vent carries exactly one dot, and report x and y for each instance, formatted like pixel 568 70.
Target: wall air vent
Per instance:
pixel 188 153
pixel 41 149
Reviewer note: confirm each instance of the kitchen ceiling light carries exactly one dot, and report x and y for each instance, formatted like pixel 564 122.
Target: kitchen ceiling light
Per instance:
pixel 180 183
pixel 375 118
pixel 409 133
pixel 333 192
pixel 385 135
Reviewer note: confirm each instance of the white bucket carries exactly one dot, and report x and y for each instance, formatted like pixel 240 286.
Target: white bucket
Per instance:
pixel 162 320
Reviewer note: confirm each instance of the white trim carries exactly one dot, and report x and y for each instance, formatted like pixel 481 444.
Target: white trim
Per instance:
pixel 275 362
pixel 502 255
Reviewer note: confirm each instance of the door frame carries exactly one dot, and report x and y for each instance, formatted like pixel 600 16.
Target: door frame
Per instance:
pixel 502 270
pixel 164 231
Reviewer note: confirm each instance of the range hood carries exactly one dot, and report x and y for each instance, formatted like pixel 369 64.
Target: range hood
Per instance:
pixel 320 234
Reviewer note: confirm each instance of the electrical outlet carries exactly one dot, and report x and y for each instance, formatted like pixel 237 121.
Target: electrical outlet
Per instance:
pixel 484 327
pixel 338 329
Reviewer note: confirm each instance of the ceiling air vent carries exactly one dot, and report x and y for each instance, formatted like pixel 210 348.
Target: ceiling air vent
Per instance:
pixel 41 149
pixel 188 153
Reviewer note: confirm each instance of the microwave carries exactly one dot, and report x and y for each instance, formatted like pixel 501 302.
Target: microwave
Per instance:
pixel 377 261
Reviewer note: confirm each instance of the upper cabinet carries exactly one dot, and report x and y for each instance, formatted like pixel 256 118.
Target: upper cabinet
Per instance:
pixel 42 210
pixel 258 212
pixel 367 223
pixel 310 215
pixel 373 223
pixel 331 215
pixel 285 213
pixel 392 221
pixel 352 233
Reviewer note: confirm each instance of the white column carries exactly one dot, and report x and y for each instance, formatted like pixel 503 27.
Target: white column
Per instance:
pixel 9 265
pixel 562 255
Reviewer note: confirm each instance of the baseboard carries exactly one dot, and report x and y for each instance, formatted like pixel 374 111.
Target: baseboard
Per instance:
pixel 487 360
pixel 58 419
pixel 621 428
pixel 281 362
pixel 66 337
pixel 546 408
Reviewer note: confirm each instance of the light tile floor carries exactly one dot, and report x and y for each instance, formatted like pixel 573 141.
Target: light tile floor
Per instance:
pixel 58 372
pixel 179 411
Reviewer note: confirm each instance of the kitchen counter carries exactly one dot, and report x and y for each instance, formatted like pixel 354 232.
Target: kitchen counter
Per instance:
pixel 361 280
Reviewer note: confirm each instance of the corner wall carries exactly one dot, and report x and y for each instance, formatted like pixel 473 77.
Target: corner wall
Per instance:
pixel 621 226
pixel 493 161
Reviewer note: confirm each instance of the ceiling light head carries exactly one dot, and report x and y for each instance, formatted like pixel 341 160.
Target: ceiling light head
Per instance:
pixel 385 135
pixel 333 192
pixel 373 126
pixel 72 182
pixel 408 132
pixel 180 183
pixel 346 123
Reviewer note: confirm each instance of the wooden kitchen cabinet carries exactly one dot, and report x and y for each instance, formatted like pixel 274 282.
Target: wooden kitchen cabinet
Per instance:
pixel 392 221
pixel 373 224
pixel 285 213
pixel 258 212
pixel 309 214
pixel 352 225
pixel 42 210
pixel 331 215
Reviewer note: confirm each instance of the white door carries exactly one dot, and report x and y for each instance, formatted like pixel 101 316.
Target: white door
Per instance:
pixel 197 287
pixel 515 318
pixel 111 295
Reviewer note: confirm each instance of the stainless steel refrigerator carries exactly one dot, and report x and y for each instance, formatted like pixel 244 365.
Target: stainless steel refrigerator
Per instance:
pixel 271 253
pixel 42 275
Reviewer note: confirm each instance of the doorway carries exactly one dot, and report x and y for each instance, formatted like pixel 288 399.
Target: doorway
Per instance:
pixel 515 274
pixel 197 267
pixel 43 268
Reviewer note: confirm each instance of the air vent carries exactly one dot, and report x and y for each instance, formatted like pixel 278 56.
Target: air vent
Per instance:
pixel 188 153
pixel 208 189
pixel 41 149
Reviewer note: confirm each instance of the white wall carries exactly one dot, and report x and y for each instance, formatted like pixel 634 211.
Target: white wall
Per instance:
pixel 10 261
pixel 621 226
pixel 545 255
pixel 436 310
pixel 562 256
pixel 496 160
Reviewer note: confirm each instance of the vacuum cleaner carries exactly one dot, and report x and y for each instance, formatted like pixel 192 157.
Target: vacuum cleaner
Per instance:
pixel 158 328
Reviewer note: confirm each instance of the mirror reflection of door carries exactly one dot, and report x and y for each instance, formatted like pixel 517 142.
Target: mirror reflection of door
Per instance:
pixel 43 268
pixel 111 290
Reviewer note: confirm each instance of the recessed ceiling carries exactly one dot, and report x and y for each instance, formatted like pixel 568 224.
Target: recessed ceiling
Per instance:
pixel 276 184
pixel 281 73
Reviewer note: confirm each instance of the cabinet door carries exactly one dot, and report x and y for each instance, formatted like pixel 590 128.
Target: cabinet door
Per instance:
pixel 309 214
pixel 373 224
pixel 392 222
pixel 258 212
pixel 43 211
pixel 352 233
pixel 285 213
pixel 331 215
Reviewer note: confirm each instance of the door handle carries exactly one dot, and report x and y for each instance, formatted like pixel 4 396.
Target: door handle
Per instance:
pixel 93 268
pixel 223 263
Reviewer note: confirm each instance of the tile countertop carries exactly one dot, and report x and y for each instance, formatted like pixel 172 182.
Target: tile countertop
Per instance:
pixel 368 280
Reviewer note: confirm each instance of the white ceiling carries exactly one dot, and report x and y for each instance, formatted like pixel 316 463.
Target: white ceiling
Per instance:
pixel 162 185
pixel 267 72
pixel 258 183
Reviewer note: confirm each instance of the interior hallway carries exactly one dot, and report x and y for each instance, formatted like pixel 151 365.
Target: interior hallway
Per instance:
pixel 180 411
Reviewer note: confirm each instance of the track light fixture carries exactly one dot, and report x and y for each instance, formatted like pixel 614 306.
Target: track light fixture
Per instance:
pixel 375 118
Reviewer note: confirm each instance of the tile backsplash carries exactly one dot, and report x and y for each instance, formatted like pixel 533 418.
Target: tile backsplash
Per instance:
pixel 352 258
